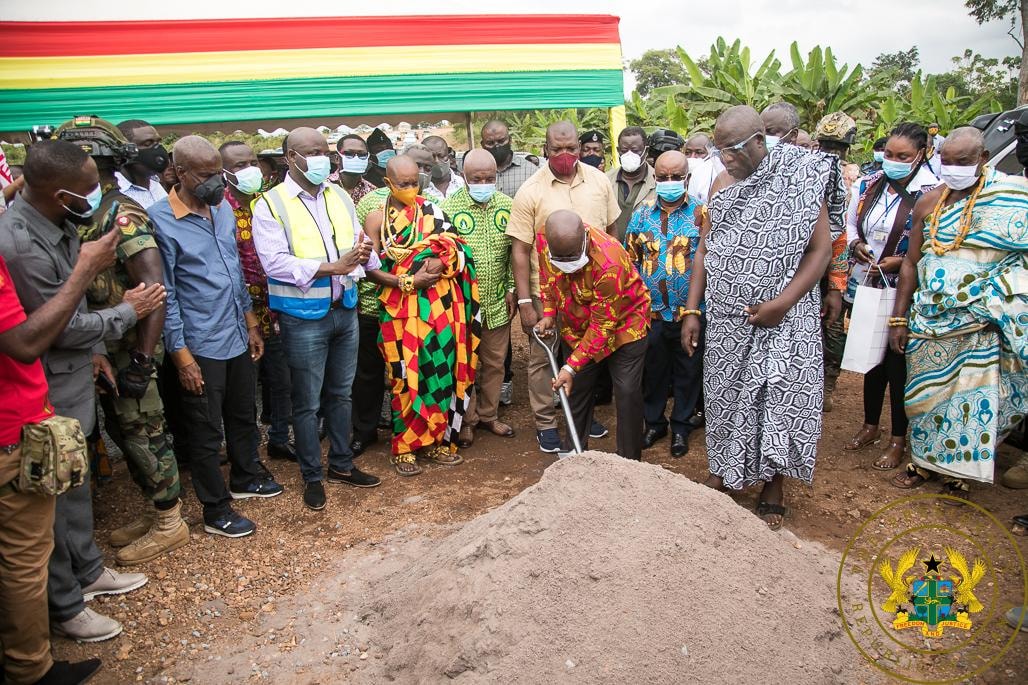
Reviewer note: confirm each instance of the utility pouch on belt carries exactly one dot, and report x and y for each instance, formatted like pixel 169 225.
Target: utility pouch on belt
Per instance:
pixel 53 457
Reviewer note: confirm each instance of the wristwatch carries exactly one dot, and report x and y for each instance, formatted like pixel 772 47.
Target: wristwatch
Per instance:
pixel 141 359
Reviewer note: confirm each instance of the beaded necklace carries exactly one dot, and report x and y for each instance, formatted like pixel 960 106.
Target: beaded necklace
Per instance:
pixel 963 227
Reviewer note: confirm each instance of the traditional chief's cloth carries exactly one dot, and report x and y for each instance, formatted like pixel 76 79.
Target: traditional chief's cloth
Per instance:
pixel 764 386
pixel 430 336
pixel 967 384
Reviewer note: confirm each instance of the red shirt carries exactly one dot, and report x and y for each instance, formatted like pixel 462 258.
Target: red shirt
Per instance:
pixel 23 389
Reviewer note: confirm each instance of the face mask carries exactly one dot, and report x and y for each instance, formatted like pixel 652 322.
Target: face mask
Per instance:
pixel 879 156
pixel 248 180
pixel 563 164
pixel 933 131
pixel 592 160
pixel 383 157
pixel 212 191
pixel 501 153
pixel 404 196
pixel 153 158
pixel 670 191
pixel 896 170
pixel 423 180
pixel 440 171
pixel 355 165
pixel 630 162
pixel 573 266
pixel 481 192
pixel 771 141
pixel 82 218
pixel 959 177
pixel 318 168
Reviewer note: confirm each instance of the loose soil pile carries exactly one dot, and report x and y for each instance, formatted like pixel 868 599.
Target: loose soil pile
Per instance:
pixel 605 571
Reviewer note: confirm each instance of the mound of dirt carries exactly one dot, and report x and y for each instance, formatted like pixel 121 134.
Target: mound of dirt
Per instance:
pixel 610 570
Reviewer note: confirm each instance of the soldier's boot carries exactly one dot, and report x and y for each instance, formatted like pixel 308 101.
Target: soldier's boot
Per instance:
pixel 126 535
pixel 169 532
pixel 830 382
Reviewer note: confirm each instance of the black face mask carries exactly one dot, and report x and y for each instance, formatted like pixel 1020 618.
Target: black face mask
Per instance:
pixel 153 158
pixel 592 160
pixel 211 191
pixel 501 153
pixel 440 171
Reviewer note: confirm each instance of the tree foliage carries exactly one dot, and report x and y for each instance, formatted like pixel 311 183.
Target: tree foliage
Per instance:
pixel 657 68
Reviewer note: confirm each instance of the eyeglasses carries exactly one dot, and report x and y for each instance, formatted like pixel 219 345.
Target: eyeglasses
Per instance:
pixel 352 154
pixel 670 177
pixel 732 149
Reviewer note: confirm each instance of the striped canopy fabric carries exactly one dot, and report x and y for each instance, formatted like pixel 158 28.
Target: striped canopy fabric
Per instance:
pixel 199 71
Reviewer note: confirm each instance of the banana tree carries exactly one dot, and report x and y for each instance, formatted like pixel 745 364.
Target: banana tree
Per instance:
pixel 730 79
pixel 819 85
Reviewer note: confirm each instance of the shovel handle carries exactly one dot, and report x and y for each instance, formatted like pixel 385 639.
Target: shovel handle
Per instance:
pixel 565 405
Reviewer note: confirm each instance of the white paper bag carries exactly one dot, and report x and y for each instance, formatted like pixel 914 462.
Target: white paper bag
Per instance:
pixel 868 336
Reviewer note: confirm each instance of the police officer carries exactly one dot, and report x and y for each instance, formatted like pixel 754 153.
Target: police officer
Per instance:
pixel 134 415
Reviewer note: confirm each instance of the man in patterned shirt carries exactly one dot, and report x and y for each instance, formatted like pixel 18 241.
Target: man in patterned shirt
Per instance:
pixel 479 214
pixel 243 179
pixel 662 238
pixel 587 278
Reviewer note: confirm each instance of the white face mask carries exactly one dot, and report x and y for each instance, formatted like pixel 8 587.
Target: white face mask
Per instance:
pixel 574 265
pixel 959 177
pixel 630 162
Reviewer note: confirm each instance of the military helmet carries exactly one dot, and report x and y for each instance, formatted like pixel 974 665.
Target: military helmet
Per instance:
pixel 664 139
pixel 98 137
pixel 837 127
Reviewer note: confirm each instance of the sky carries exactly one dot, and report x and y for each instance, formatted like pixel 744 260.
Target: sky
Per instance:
pixel 857 31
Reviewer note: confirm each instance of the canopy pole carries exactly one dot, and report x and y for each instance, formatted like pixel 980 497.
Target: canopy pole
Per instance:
pixel 471 134
pixel 618 122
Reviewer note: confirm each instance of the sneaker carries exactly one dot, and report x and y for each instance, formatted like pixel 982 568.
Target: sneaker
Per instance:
pixel 258 488
pixel 229 524
pixel 506 393
pixel 598 430
pixel 314 495
pixel 355 477
pixel 549 440
pixel 88 626
pixel 69 672
pixel 111 582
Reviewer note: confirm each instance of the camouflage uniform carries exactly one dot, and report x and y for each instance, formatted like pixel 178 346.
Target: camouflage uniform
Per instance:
pixel 136 425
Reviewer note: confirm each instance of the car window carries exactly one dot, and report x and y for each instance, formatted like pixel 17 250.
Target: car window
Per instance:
pixel 1006 161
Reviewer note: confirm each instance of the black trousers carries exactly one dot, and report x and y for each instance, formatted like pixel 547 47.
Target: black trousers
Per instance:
pixel 230 388
pixel 666 362
pixel 174 413
pixel 626 372
pixel 369 382
pixel 892 372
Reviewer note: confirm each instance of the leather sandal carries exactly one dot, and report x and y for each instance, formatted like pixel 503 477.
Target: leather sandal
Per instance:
pixel 497 428
pixel 406 464
pixel 864 437
pixel 443 455
pixel 892 456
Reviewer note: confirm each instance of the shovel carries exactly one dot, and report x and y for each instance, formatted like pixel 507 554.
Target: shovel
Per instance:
pixel 549 349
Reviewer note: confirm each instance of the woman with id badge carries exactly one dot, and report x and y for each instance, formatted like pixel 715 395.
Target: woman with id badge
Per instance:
pixel 878 226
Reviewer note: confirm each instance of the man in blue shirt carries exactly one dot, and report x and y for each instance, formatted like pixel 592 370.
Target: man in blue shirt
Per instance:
pixel 212 335
pixel 661 239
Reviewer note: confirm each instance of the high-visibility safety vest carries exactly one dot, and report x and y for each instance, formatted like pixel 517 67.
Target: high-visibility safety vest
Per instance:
pixel 305 241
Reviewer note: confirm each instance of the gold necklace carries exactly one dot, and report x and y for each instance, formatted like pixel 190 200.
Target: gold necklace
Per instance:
pixel 963 227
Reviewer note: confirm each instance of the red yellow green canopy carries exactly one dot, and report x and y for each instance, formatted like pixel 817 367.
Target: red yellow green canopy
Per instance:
pixel 198 71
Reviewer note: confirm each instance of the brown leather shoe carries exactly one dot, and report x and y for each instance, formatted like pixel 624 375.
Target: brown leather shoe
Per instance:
pixel 497 428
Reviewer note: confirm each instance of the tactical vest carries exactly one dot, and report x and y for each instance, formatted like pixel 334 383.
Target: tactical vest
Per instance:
pixel 306 242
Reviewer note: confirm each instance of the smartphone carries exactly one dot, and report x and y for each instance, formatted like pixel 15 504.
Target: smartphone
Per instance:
pixel 108 222
pixel 105 384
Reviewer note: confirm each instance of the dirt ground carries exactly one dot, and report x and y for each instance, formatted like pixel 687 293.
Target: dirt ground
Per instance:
pixel 203 595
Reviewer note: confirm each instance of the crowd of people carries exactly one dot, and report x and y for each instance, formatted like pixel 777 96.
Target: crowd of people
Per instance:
pixel 364 288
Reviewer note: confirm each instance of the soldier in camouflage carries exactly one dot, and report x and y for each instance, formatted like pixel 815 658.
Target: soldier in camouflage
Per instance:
pixel 135 415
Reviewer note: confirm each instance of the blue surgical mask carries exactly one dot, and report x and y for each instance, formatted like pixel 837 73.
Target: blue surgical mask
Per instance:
pixel 670 191
pixel 248 180
pixel 879 156
pixel 481 192
pixel 384 156
pixel 896 170
pixel 355 165
pixel 771 141
pixel 94 198
pixel 318 168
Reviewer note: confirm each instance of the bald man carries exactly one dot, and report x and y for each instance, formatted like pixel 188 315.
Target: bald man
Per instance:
pixel 662 239
pixel 429 317
pixel 564 183
pixel 314 251
pixel 212 336
pixel 479 214
pixel 589 282
pixel 967 359
pixel 767 248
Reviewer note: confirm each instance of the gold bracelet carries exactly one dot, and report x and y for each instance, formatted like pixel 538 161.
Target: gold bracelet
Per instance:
pixel 898 322
pixel 692 312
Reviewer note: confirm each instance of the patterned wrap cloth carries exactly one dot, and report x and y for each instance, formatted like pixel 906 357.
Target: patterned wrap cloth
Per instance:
pixel 967 360
pixel 429 337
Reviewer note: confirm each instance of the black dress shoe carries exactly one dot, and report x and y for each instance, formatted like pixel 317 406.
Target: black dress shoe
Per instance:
pixel 70 673
pixel 355 477
pixel 286 451
pixel 679 445
pixel 652 435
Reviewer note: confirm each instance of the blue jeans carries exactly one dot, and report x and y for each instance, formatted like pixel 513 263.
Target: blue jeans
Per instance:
pixel 321 353
pixel 276 374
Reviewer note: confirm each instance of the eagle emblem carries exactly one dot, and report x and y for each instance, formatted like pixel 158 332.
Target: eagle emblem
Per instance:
pixel 937 602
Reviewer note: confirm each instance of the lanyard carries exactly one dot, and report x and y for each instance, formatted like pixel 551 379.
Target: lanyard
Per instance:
pixel 885 214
